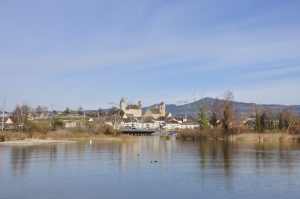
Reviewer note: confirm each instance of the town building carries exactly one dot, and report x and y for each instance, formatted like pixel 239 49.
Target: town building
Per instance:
pixel 8 123
pixel 70 125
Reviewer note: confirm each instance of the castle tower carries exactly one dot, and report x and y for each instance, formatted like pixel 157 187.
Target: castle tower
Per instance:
pixel 162 108
pixel 140 104
pixel 123 104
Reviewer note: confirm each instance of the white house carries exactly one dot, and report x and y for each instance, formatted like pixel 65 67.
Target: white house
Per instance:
pixel 189 125
pixel 8 123
pixel 172 126
pixel 151 125
pixel 70 125
pixel 132 125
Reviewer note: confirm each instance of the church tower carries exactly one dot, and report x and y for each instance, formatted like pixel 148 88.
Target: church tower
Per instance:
pixel 123 104
pixel 162 108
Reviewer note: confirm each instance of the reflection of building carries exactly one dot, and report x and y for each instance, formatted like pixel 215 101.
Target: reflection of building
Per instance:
pixel 156 112
pixel 131 110
pixel 153 147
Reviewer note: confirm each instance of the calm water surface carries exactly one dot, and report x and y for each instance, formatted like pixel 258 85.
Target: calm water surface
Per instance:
pixel 115 169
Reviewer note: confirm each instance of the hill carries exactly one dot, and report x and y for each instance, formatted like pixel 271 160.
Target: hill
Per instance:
pixel 240 108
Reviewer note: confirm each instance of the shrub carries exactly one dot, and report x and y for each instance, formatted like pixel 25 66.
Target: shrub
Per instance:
pixel 8 136
pixel 192 134
pixel 237 130
pixel 199 134
pixel 2 138
pixel 41 127
pixel 227 117
pixel 109 130
pixel 57 123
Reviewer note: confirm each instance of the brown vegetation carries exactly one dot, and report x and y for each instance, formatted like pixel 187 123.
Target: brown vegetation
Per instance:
pixel 55 135
pixel 42 130
pixel 199 134
pixel 165 137
pixel 236 135
pixel 264 137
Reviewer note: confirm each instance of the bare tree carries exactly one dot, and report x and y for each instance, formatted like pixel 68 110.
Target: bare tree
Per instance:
pixel 291 120
pixel 39 110
pixel 228 96
pixel 80 110
pixel 20 115
pixel 16 114
pixel 216 108
pixel 100 112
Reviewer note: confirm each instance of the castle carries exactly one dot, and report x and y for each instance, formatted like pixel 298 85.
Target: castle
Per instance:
pixel 156 112
pixel 135 110
pixel 131 110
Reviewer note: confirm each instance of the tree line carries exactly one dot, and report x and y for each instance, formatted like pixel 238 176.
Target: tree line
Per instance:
pixel 221 116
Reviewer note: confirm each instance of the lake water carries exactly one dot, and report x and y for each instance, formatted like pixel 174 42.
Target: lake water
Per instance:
pixel 123 169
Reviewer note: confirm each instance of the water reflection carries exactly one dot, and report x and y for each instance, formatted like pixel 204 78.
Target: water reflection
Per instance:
pixel 162 162
pixel 22 156
pixel 225 155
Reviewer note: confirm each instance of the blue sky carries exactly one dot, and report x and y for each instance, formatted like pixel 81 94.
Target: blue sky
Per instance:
pixel 90 53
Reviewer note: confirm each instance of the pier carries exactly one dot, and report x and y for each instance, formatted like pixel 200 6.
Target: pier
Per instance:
pixel 137 131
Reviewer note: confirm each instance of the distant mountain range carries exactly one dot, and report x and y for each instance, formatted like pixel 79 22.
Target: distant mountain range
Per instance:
pixel 240 108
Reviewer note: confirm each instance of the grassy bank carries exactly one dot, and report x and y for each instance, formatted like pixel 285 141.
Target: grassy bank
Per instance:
pixel 217 134
pixel 42 131
pixel 199 135
pixel 60 135
pixel 264 137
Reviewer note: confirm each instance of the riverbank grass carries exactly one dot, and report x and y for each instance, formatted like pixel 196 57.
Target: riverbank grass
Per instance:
pixel 218 134
pixel 59 135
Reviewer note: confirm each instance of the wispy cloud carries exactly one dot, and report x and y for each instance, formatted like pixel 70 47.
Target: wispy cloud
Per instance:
pixel 146 48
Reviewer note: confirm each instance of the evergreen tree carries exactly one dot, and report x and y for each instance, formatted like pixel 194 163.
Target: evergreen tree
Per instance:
pixel 227 112
pixel 203 122
pixel 257 121
pixel 281 121
pixel 122 113
pixel 213 119
pixel 227 116
pixel 263 122
pixel 67 111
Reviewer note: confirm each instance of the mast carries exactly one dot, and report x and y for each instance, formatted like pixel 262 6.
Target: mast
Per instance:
pixel 3 111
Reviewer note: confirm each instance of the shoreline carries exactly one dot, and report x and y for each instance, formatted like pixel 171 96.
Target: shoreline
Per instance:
pixel 58 136
pixel 41 141
pixel 67 137
pixel 265 137
pixel 250 137
pixel 35 142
